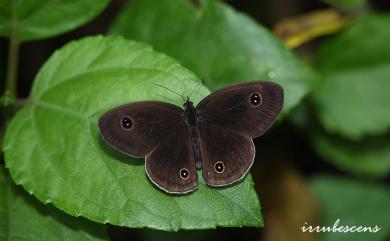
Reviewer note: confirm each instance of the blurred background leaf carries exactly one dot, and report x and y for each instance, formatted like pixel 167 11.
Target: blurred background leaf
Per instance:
pixel 355 203
pixel 222 46
pixel 297 30
pixel 346 4
pixel 63 160
pixel 30 20
pixel 369 157
pixel 24 218
pixel 353 99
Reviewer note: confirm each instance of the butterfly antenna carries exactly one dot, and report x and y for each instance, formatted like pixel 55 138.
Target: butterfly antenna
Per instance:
pixel 170 90
pixel 164 97
pixel 193 89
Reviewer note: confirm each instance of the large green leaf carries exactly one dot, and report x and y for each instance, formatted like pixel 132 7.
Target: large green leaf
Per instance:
pixel 355 204
pixel 369 157
pixel 24 218
pixel 36 19
pixel 53 148
pixel 221 45
pixel 354 99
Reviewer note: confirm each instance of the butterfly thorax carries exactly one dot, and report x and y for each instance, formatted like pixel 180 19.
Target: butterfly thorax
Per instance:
pixel 190 114
pixel 191 121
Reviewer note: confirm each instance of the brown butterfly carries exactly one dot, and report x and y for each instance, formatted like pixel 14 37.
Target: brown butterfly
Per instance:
pixel 216 135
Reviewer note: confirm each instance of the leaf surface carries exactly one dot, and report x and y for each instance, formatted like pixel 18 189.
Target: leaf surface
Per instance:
pixel 37 19
pixel 23 217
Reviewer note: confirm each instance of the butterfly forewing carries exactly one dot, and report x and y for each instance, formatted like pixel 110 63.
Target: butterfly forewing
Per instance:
pixel 171 166
pixel 137 128
pixel 249 108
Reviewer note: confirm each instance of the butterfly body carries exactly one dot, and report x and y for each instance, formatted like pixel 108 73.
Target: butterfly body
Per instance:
pixel 216 135
pixel 191 120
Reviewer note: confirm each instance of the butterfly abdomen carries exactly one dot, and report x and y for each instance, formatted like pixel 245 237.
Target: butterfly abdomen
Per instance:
pixel 196 147
pixel 192 124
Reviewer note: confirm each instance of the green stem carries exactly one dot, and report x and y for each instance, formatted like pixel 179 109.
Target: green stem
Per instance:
pixel 12 69
pixel 11 80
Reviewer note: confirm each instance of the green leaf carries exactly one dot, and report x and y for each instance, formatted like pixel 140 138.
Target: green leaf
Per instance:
pixel 221 45
pixel 355 204
pixel 53 147
pixel 24 218
pixel 39 19
pixel 346 4
pixel 353 99
pixel 369 157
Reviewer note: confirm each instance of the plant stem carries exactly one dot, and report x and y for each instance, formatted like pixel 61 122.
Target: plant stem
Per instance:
pixel 12 69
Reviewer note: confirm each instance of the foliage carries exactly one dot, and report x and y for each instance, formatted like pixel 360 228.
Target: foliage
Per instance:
pixel 369 157
pixel 363 204
pixel 346 4
pixel 53 149
pixel 66 163
pixel 352 100
pixel 221 45
pixel 38 19
pixel 22 217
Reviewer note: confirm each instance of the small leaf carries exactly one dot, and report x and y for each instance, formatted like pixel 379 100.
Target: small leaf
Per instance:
pixel 7 99
pixel 355 204
pixel 368 157
pixel 45 18
pixel 53 147
pixel 221 45
pixel 22 217
pixel 353 99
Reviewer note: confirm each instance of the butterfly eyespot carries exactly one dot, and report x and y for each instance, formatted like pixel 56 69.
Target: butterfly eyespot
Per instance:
pixel 184 173
pixel 126 123
pixel 255 99
pixel 219 167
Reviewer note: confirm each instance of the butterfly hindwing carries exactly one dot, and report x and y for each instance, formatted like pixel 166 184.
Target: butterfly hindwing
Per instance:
pixel 171 166
pixel 137 128
pixel 226 155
